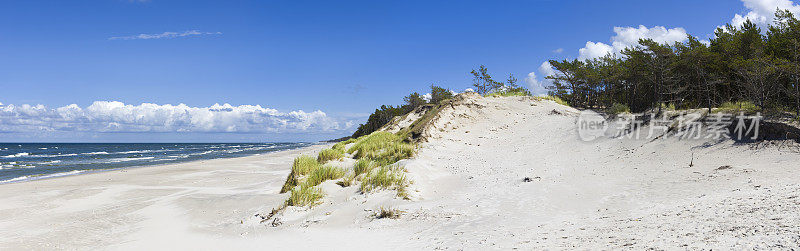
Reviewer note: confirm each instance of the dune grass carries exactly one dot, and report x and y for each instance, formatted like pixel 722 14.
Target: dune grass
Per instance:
pixel 554 99
pixel 507 94
pixel 322 174
pixel 382 147
pixel 302 165
pixel 363 166
pixel 386 177
pixel 348 180
pixel 330 154
pixel 304 196
pixel 736 107
pixel 388 213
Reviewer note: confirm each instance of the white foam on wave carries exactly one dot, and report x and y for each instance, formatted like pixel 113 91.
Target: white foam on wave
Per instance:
pixel 16 155
pixel 55 155
pixel 95 153
pixel 128 159
pixel 38 177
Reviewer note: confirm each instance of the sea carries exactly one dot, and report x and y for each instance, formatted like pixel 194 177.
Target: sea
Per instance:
pixel 30 161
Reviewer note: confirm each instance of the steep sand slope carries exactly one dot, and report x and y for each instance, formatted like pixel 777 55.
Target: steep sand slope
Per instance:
pixel 607 193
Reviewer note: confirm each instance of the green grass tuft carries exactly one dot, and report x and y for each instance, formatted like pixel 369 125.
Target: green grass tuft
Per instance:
pixel 304 196
pixel 382 147
pixel 386 177
pixel 330 154
pixel 507 94
pixel 554 99
pixel 302 165
pixel 322 174
pixel 363 166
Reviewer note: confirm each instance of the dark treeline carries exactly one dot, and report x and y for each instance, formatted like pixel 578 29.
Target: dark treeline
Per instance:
pixel 741 64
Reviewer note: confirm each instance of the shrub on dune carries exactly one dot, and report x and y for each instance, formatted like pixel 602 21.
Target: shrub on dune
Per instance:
pixel 618 108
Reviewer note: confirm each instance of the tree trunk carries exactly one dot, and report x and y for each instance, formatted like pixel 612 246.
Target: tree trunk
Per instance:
pixel 797 96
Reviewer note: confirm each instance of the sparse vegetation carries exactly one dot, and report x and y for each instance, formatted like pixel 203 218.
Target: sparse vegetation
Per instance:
pixel 363 166
pixel 554 99
pixel 386 177
pixel 304 196
pixel 508 94
pixel 388 213
pixel 736 107
pixel 302 165
pixel 322 174
pixel 331 154
pixel 382 147
pixel 348 180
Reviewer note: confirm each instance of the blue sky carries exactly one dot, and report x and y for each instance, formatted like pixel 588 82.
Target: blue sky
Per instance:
pixel 340 58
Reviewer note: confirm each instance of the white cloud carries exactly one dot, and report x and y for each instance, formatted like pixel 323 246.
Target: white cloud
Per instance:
pixel 533 83
pixel 112 116
pixel 628 37
pixel 538 86
pixel 594 50
pixel 558 51
pixel 427 97
pixel 168 34
pixel 762 12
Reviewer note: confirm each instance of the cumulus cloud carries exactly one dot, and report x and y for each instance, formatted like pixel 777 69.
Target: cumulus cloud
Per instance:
pixel 538 85
pixel 762 12
pixel 113 116
pixel 628 37
pixel 167 34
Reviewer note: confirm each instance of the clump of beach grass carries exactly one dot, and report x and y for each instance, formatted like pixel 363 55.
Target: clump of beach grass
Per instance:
pixel 554 99
pixel 386 177
pixel 348 180
pixel 382 147
pixel 304 196
pixel 363 166
pixel 388 213
pixel 508 94
pixel 323 174
pixel 302 165
pixel 330 154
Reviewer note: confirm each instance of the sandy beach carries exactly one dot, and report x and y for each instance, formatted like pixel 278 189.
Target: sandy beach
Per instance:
pixel 495 173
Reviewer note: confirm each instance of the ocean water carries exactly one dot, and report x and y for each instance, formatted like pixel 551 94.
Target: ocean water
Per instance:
pixel 28 161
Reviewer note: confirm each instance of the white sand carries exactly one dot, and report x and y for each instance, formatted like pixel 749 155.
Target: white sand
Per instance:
pixel 468 194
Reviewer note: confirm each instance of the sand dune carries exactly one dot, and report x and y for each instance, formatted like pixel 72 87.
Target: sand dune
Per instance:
pixel 493 173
